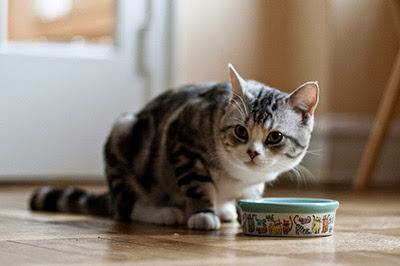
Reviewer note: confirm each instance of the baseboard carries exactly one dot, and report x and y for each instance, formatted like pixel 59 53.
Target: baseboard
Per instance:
pixel 340 141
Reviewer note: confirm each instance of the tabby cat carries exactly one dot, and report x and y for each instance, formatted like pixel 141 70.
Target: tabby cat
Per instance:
pixel 191 152
pixel 299 228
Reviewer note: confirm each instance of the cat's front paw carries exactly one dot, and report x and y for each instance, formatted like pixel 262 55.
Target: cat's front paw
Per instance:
pixel 204 221
pixel 227 212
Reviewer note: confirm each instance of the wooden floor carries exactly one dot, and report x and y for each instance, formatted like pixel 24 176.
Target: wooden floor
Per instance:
pixel 367 232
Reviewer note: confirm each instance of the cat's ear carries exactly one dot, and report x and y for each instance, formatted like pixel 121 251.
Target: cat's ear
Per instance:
pixel 237 83
pixel 304 99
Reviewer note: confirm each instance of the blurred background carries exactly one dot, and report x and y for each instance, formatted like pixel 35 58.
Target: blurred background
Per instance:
pixel 68 68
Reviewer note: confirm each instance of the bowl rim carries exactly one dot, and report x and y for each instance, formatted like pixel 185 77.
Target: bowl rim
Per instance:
pixel 288 205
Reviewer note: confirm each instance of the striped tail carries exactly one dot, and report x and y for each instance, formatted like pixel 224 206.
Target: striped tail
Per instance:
pixel 71 200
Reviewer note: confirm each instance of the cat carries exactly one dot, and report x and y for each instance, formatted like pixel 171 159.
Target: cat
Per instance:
pixel 316 224
pixel 325 223
pixel 261 226
pixel 262 230
pixel 275 228
pixel 286 225
pixel 249 221
pixel 270 217
pixel 191 152
pixel 299 228
pixel 305 220
pixel 261 222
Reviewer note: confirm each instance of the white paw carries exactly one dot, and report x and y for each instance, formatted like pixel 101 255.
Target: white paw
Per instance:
pixel 204 221
pixel 172 216
pixel 227 212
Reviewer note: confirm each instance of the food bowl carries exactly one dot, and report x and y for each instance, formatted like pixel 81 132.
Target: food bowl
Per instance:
pixel 295 217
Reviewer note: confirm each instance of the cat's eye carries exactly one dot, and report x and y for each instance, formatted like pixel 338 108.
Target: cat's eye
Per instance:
pixel 274 137
pixel 241 132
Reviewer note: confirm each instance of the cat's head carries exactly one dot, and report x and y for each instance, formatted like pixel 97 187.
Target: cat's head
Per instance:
pixel 265 131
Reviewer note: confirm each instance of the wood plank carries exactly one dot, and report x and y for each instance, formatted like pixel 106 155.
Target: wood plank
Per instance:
pixel 367 231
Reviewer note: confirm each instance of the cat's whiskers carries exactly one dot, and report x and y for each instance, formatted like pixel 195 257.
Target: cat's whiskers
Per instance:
pixel 239 110
pixel 236 119
pixel 237 106
pixel 299 173
pixel 244 104
pixel 306 173
pixel 313 153
pixel 300 178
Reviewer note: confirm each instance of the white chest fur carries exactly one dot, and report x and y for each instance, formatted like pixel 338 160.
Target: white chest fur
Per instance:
pixel 230 189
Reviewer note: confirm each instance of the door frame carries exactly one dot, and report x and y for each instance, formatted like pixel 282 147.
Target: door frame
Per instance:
pixel 154 62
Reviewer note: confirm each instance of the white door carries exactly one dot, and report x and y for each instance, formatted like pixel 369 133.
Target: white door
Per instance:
pixel 58 100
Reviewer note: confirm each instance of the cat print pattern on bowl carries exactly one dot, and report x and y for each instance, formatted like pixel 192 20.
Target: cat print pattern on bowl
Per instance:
pixel 288 224
pixel 189 154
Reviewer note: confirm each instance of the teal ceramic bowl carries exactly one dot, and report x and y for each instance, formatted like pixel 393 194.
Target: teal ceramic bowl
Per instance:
pixel 288 216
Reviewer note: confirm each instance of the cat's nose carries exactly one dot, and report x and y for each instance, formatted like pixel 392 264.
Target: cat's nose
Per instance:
pixel 252 154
